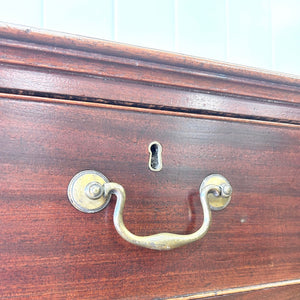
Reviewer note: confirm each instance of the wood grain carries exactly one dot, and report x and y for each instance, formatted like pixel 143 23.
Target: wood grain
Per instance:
pixel 68 41
pixel 70 103
pixel 38 63
pixel 49 249
pixel 43 83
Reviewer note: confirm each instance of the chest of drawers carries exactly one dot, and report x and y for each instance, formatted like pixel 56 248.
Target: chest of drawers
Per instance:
pixel 70 104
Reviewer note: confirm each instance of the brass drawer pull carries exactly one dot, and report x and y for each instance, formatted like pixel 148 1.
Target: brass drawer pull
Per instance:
pixel 90 191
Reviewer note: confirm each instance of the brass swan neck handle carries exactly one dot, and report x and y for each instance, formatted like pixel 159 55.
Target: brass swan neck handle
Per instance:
pixel 90 191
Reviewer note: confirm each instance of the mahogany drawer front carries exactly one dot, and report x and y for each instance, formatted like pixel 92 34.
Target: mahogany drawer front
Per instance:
pixel 50 249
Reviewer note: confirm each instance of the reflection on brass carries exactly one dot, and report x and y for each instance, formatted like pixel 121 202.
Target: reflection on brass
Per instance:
pixel 85 191
pixel 215 193
pixel 215 201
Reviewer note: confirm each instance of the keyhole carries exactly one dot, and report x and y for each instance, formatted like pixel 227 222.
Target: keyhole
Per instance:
pixel 155 160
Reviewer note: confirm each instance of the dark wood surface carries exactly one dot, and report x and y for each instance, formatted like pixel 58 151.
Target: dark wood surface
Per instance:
pixel 60 65
pixel 49 249
pixel 71 103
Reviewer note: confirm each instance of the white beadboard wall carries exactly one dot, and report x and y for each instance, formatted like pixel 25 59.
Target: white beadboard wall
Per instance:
pixel 257 33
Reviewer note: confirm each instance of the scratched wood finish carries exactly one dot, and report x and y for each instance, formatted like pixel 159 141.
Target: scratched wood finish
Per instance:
pixel 76 67
pixel 49 249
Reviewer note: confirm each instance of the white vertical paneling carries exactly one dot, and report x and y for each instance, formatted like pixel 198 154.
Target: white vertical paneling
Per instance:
pixel 21 12
pixel 146 23
pixel 249 36
pixel 85 17
pixel 202 28
pixel 286 35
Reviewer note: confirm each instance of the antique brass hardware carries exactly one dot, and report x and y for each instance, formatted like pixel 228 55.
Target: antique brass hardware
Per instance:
pixel 90 191
pixel 85 191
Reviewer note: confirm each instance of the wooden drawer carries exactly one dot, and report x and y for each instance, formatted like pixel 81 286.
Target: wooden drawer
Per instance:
pixel 49 249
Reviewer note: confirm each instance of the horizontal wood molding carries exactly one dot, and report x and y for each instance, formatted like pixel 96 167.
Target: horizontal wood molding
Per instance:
pixel 40 82
pixel 239 290
pixel 69 41
pixel 151 110
pixel 61 64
